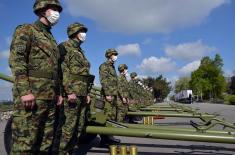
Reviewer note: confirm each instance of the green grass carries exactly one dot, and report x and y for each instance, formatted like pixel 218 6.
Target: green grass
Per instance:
pixel 4 106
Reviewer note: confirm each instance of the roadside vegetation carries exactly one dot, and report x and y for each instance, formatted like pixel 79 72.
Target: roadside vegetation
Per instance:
pixel 5 105
pixel 208 82
pixel 161 88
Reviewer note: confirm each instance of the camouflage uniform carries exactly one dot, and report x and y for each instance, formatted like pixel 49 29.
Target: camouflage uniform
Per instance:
pixel 136 92
pixel 123 92
pixel 34 64
pixel 77 80
pixel 109 82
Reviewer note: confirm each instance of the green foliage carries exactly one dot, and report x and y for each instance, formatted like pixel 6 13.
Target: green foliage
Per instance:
pixel 149 81
pixel 161 87
pixel 5 107
pixel 218 61
pixel 232 100
pixel 226 98
pixel 208 80
pixel 182 84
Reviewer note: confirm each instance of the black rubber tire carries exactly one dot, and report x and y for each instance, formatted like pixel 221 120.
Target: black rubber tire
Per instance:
pixel 8 136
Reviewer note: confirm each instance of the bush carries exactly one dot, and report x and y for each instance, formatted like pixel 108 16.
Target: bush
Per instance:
pixel 232 100
pixel 226 98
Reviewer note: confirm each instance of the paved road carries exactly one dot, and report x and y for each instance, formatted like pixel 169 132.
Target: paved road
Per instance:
pixel 165 147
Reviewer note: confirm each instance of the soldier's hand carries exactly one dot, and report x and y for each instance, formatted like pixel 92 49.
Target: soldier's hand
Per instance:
pixel 72 98
pixel 60 100
pixel 88 99
pixel 127 101
pixel 124 100
pixel 28 101
pixel 109 98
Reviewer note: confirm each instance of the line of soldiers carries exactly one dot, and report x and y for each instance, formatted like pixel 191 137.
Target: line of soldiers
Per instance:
pixel 53 83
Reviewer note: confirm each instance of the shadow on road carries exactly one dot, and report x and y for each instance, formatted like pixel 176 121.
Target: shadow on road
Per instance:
pixel 191 147
pixel 182 153
pixel 186 149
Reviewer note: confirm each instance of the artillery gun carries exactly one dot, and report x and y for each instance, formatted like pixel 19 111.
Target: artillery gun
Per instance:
pixel 199 132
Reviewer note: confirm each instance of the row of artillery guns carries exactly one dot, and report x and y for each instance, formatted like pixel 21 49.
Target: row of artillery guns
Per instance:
pixel 207 128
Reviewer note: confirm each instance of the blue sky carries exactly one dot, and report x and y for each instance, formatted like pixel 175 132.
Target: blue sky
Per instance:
pixel 153 37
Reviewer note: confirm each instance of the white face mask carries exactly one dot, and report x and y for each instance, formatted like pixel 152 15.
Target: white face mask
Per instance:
pixel 54 17
pixel 114 58
pixel 82 36
pixel 125 72
pixel 128 77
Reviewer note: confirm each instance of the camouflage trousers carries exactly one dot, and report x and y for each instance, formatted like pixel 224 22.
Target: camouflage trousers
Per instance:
pixel 32 131
pixel 110 109
pixel 122 110
pixel 71 124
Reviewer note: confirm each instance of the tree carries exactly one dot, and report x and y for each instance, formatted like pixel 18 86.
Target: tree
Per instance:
pixel 182 84
pixel 218 62
pixel 161 88
pixel 208 79
pixel 149 81
pixel 198 84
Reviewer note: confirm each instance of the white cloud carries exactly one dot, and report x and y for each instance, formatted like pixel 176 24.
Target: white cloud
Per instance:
pixel 154 65
pixel 188 51
pixel 129 49
pixel 187 69
pixel 142 76
pixel 4 54
pixel 137 16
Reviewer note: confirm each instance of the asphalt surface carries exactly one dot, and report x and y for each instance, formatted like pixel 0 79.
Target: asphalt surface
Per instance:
pixel 147 146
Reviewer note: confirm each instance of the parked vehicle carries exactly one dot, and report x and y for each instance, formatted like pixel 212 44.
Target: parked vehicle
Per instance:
pixel 184 96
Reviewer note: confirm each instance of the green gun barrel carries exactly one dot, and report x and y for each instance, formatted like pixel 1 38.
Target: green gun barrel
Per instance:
pixel 163 134
pixel 168 114
pixel 6 78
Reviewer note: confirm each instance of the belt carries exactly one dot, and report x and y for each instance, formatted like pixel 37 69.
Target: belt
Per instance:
pixel 41 74
pixel 85 78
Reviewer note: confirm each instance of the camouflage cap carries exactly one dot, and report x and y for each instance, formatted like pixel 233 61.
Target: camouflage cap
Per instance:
pixel 122 67
pixel 133 74
pixel 110 52
pixel 40 4
pixel 75 27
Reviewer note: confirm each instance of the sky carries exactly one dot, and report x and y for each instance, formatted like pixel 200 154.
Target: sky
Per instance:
pixel 153 37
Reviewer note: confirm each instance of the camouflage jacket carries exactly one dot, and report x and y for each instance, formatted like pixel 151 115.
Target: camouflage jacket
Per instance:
pixel 75 68
pixel 123 86
pixel 135 89
pixel 34 61
pixel 108 79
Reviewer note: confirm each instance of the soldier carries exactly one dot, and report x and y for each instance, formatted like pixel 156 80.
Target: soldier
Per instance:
pixel 77 83
pixel 135 90
pixel 109 83
pixel 34 64
pixel 123 93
